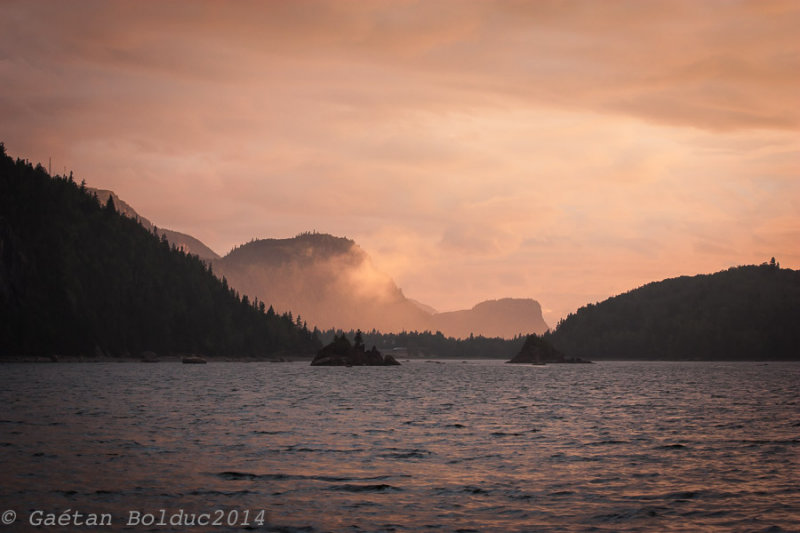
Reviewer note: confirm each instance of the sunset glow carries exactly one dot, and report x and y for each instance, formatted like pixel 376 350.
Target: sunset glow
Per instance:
pixel 561 151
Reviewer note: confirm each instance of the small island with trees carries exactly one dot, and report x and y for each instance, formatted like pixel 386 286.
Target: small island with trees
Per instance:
pixel 341 353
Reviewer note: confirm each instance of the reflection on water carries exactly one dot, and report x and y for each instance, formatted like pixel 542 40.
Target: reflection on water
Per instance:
pixel 480 446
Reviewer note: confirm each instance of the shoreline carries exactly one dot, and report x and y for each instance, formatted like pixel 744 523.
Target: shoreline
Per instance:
pixel 160 359
pixel 309 357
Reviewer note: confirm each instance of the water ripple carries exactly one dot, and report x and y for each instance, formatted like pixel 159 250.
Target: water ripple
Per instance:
pixel 623 447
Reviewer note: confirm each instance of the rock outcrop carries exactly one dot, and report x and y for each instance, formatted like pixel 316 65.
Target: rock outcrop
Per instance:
pixel 148 357
pixel 537 351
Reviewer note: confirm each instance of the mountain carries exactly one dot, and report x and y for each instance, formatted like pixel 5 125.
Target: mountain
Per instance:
pixel 329 281
pixel 182 241
pixel 78 278
pixel 743 313
pixel 493 318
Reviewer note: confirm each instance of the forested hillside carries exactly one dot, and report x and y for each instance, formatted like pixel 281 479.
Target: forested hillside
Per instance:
pixel 78 278
pixel 748 312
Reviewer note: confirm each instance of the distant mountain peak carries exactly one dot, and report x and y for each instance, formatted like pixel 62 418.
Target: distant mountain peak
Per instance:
pixel 521 304
pixel 506 317
pixel 304 247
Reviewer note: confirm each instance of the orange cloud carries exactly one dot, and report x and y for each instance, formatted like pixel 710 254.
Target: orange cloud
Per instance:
pixel 558 150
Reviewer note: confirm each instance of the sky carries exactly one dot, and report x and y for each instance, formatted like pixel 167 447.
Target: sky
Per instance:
pixel 565 151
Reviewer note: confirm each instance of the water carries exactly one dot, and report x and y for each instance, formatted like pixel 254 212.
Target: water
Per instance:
pixel 480 446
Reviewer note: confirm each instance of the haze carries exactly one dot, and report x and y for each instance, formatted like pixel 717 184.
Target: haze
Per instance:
pixel 563 151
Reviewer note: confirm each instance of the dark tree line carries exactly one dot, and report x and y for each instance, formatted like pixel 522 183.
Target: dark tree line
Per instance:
pixel 76 277
pixel 429 344
pixel 747 312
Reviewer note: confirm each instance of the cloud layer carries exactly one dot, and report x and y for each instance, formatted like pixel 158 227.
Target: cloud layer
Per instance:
pixel 563 151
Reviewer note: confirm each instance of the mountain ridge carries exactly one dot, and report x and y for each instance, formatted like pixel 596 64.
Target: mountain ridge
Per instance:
pixel 331 282
pixel 77 276
pixel 182 241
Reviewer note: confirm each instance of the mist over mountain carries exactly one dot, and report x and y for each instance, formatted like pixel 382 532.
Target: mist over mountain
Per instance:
pixel 331 282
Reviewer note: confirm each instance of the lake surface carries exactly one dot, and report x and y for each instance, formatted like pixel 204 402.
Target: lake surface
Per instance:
pixel 477 446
